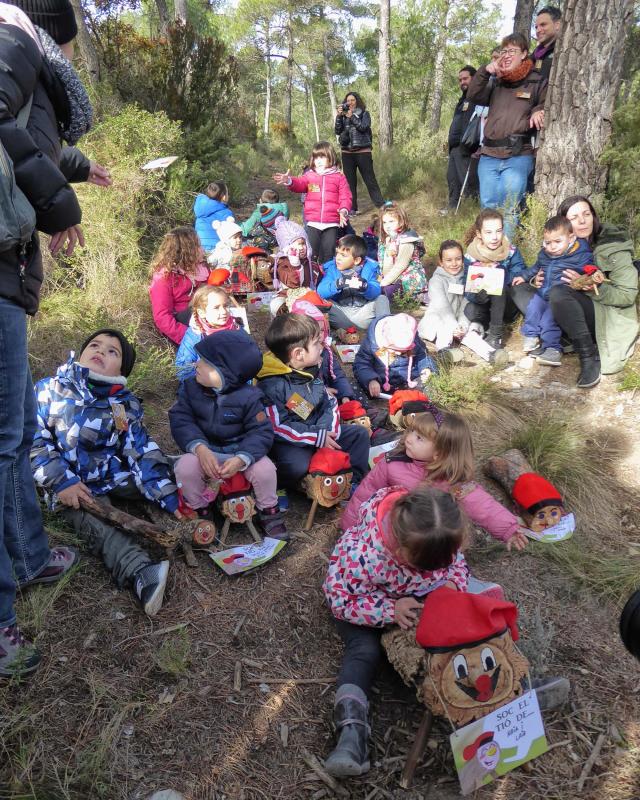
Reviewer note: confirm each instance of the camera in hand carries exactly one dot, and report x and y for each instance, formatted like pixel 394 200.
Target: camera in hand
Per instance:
pixel 345 107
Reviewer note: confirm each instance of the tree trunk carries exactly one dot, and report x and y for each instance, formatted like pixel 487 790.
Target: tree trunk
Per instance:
pixel 384 79
pixel 583 85
pixel 328 75
pixel 438 70
pixel 267 101
pixel 313 111
pixel 163 17
pixel 289 85
pixel 88 51
pixel 181 11
pixel 523 17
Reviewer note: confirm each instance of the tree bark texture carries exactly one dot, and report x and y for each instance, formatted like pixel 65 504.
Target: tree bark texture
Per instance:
pixel 181 10
pixel 523 17
pixel 584 81
pixel 328 75
pixel 384 73
pixel 289 84
pixel 88 51
pixel 438 71
pixel 267 101
pixel 163 17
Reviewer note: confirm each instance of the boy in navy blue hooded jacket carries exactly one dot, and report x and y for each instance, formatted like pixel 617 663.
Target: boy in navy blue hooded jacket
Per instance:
pixel 219 421
pixel 561 250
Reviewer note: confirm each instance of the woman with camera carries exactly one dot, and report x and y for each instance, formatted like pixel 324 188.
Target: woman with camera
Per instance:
pixel 353 129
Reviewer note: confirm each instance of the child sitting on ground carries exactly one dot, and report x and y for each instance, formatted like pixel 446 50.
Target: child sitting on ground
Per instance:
pixel 437 449
pixel 266 214
pixel 293 267
pixel 219 422
pixel 177 269
pixel 444 321
pixel 209 208
pixel 351 283
pixel 209 314
pixel 229 244
pixel 91 440
pixel 303 413
pixel 487 246
pixel 560 250
pixel 392 356
pixel 400 253
pixel 404 544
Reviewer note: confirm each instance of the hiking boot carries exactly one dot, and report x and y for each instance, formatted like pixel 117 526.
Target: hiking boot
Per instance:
pixel 272 523
pixel 529 343
pixel 551 692
pixel 589 362
pixel 60 562
pixel 149 584
pixel 351 755
pixel 550 356
pixel 449 356
pixel 486 588
pixel 18 656
pixel 494 337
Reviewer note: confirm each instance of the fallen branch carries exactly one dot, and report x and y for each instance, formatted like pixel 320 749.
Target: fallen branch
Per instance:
pixel 160 631
pixel 588 766
pixel 127 522
pixel 237 677
pixel 312 762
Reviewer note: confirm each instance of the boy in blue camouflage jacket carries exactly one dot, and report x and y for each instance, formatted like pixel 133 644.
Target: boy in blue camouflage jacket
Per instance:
pixel 91 440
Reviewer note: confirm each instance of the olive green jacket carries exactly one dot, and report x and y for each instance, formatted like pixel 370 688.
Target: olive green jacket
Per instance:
pixel 615 306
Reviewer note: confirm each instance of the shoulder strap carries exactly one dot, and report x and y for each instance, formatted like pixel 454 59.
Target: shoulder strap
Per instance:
pixel 23 114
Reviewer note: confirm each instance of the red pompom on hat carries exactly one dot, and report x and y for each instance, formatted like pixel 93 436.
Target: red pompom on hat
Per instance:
pixel 218 276
pixel 532 492
pixel 452 619
pixel 352 409
pixel 326 461
pixel 402 396
pixel 236 485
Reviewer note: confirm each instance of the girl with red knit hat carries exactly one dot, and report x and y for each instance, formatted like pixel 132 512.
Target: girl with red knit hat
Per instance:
pixel 404 545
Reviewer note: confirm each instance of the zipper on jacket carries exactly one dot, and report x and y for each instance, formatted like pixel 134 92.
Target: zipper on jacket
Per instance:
pixel 322 200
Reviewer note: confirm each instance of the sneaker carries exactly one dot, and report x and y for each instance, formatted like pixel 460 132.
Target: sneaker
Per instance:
pixel 537 351
pixel 550 356
pixel 486 588
pixel 60 562
pixel 449 356
pixel 272 523
pixel 149 585
pixel 18 656
pixel 529 343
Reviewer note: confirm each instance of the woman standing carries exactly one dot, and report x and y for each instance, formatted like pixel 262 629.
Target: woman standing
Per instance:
pixel 353 129
pixel 603 327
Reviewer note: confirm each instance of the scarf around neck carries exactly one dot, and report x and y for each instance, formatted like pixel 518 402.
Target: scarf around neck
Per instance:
pixel 542 50
pixel 517 74
pixel 480 252
pixel 202 326
pixel 80 111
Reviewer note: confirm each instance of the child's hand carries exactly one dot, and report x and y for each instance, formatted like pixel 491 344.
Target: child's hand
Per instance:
pixel 406 612
pixel 230 467
pixel 331 442
pixel 208 461
pixel 344 215
pixel 333 392
pixel 517 281
pixel 283 178
pixel 374 389
pixel 518 540
pixel 72 495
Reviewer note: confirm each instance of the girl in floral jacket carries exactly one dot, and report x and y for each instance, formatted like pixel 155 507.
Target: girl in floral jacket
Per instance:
pixel 404 545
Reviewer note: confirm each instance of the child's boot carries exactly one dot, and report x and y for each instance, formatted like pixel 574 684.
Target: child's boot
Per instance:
pixel 272 523
pixel 18 656
pixel 149 584
pixel 494 337
pixel 351 755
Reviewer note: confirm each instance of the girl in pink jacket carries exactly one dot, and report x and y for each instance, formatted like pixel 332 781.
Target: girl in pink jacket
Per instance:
pixel 327 200
pixel 404 545
pixel 437 449
pixel 177 270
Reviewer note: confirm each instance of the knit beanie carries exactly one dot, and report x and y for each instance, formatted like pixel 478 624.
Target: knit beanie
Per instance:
pixel 397 334
pixel 226 229
pixel 128 350
pixel 287 231
pixel 56 17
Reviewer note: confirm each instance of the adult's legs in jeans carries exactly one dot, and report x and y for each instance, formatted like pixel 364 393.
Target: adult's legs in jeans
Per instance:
pixel 573 311
pixel 491 194
pixel 364 162
pixel 24 549
pixel 362 655
pixel 350 173
pixel 515 173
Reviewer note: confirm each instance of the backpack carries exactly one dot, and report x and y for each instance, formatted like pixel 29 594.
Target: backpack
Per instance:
pixel 17 216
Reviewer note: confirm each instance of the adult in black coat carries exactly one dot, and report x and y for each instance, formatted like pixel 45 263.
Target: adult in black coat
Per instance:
pixel 548 26
pixel 460 156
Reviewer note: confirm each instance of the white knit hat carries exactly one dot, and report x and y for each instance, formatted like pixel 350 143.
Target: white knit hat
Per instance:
pixel 226 229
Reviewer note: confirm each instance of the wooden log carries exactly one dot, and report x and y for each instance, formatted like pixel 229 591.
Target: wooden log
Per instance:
pixel 417 749
pixel 312 513
pixel 103 509
pixel 224 532
pixel 507 468
pixel 254 531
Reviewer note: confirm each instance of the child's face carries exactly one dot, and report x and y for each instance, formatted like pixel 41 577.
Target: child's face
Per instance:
pixel 235 242
pixel 345 260
pixel 555 243
pixel 216 313
pixel 208 376
pixel 418 448
pixel 309 356
pixel 103 355
pixel 298 248
pixel 452 261
pixel 491 233
pixel 390 224
pixel 321 163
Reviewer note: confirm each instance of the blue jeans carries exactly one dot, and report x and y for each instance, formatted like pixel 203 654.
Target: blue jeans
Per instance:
pixel 24 549
pixel 503 183
pixel 539 321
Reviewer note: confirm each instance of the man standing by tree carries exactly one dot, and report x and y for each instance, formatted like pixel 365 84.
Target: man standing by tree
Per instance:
pixel 548 24
pixel 459 156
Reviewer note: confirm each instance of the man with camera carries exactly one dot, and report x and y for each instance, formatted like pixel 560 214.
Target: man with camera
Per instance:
pixel 460 155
